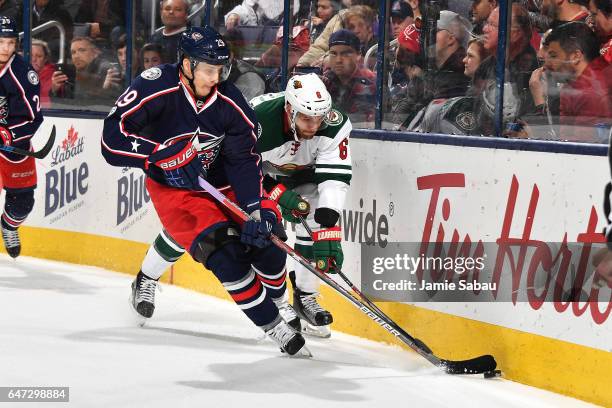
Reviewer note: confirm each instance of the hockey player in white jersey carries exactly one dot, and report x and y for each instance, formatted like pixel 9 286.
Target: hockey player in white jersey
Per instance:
pixel 304 143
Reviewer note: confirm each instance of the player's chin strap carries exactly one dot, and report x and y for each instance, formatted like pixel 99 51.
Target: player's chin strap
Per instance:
pixel 193 64
pixel 292 118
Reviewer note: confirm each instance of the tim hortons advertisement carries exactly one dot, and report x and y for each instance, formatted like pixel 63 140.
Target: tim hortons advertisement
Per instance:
pixel 532 220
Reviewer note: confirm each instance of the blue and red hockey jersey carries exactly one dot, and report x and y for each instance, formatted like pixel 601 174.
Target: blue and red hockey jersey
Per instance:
pixel 159 109
pixel 19 103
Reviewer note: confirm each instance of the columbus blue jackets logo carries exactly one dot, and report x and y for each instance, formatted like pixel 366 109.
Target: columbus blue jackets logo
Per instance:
pixel 333 117
pixel 209 148
pixel 196 36
pixel 151 74
pixel 3 110
pixel 33 77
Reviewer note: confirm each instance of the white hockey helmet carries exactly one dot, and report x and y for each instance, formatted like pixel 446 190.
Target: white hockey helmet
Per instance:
pixel 307 94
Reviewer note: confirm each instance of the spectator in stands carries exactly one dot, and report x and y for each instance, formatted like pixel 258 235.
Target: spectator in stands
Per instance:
pixel 101 18
pixel 270 12
pixel 601 10
pixel 474 55
pixel 317 50
pixel 49 10
pixel 298 45
pixel 563 11
pixel 41 62
pixel 545 93
pixel 447 78
pixel 401 17
pixel 467 115
pixel 408 61
pixel 585 97
pixel 243 14
pixel 9 8
pixel 150 56
pixel 90 73
pixel 418 7
pixel 115 75
pixel 481 9
pixel 522 60
pixel 360 20
pixel 247 78
pixel 353 88
pixel 174 17
pixel 326 9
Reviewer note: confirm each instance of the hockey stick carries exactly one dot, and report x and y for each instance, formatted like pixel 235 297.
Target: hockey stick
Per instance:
pixel 483 364
pixel 41 154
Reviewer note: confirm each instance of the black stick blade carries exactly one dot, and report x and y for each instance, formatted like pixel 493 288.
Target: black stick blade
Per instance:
pixel 477 365
pixel 42 153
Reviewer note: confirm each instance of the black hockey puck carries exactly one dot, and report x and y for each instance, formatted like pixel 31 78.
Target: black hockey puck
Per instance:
pixel 492 374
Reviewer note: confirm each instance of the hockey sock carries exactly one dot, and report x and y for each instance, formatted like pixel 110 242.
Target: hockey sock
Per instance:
pixel 269 264
pixel 161 255
pixel 232 266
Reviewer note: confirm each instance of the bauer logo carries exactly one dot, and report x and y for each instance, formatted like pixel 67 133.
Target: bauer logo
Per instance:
pixel 132 197
pixel 365 225
pixel 70 147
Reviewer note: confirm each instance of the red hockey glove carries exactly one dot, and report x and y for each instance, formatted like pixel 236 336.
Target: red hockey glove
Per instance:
pixel 177 165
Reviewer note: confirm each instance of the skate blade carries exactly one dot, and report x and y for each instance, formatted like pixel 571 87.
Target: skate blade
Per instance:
pixel 323 332
pixel 304 352
pixel 139 319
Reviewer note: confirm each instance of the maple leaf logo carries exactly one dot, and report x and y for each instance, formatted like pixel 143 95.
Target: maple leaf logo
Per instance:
pixel 71 139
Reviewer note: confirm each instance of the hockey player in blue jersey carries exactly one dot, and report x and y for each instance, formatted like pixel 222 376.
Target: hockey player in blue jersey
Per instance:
pixel 20 117
pixel 178 121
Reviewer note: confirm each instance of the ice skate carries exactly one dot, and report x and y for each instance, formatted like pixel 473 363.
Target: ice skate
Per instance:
pixel 287 313
pixel 11 241
pixel 289 340
pixel 315 319
pixel 143 295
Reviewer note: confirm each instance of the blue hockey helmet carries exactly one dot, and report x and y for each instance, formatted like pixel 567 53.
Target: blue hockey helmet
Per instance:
pixel 8 27
pixel 204 44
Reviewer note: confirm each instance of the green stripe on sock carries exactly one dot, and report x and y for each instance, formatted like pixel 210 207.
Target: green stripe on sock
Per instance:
pixel 165 250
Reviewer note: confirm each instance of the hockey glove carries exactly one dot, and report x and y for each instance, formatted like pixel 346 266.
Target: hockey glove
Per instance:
pixel 292 204
pixel 6 136
pixel 176 165
pixel 257 231
pixel 327 249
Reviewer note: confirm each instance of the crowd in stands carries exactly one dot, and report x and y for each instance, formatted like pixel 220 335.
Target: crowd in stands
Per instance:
pixel 438 77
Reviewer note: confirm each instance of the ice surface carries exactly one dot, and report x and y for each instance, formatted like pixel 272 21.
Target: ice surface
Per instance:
pixel 71 325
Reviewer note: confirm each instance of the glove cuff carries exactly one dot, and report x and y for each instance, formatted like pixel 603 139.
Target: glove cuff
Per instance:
pixel 277 192
pixel 328 234
pixel 271 205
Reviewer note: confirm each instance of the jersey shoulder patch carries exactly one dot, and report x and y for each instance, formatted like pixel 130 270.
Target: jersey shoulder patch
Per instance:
pixel 333 123
pixel 33 77
pixel 334 117
pixel 156 79
pixel 151 74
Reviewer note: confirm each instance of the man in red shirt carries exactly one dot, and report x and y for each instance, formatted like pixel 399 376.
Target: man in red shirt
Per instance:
pixel 585 107
pixel 352 87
